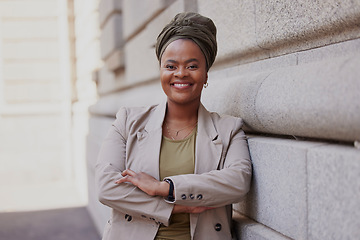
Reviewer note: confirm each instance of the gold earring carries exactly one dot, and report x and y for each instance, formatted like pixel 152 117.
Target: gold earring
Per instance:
pixel 206 84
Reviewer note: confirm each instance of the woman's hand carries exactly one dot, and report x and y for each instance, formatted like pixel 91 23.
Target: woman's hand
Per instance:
pixel 145 182
pixel 187 209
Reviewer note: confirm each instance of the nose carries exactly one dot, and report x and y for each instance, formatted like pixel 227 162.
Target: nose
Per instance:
pixel 181 72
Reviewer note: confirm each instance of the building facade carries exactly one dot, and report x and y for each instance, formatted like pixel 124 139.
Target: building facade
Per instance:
pixel 290 69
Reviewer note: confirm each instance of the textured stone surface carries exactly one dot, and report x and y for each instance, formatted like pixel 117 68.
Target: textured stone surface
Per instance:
pixel 107 81
pixel 28 50
pixel 277 21
pixel 115 60
pixel 32 91
pixel 310 92
pixel 111 36
pixel 302 90
pixel 314 99
pixel 141 62
pixel 36 28
pixel 334 192
pixel 98 128
pixel 246 228
pixel 278 195
pixel 144 95
pixel 24 8
pixel 17 71
pixel 108 7
pixel 253 30
pixel 87 30
pixel 137 13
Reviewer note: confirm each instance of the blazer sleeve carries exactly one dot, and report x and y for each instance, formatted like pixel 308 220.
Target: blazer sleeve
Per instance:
pixel 226 185
pixel 124 197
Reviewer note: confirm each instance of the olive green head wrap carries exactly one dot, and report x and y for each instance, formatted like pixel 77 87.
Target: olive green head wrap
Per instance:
pixel 192 26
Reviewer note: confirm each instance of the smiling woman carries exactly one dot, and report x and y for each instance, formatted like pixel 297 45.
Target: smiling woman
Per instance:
pixel 172 171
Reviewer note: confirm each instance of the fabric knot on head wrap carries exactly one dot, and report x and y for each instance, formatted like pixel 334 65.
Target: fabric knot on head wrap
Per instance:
pixel 192 26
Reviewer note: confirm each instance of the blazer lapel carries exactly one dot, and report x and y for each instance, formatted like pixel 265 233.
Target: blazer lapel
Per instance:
pixel 208 151
pixel 208 143
pixel 150 141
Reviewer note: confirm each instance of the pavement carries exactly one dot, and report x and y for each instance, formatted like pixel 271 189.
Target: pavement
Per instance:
pixel 57 224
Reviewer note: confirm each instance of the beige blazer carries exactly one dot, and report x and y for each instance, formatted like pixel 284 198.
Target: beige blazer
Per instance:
pixel 222 174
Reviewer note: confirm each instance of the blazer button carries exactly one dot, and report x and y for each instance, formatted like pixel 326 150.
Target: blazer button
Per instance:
pixel 218 227
pixel 191 196
pixel 199 197
pixel 128 217
pixel 183 197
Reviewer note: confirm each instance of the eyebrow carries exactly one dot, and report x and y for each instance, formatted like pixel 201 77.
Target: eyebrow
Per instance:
pixel 187 61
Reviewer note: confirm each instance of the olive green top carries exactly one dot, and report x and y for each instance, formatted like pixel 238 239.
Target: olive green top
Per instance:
pixel 177 157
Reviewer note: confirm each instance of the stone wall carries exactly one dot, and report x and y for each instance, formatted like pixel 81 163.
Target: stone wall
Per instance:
pixel 290 70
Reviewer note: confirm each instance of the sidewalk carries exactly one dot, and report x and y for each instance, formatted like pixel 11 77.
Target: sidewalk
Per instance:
pixel 58 224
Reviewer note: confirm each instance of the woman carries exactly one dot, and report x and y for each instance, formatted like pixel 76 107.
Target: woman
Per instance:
pixel 172 171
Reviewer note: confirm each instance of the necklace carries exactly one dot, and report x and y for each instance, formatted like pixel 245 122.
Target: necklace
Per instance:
pixel 177 131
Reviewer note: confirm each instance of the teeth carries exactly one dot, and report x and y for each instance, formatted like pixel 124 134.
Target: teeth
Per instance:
pixel 181 84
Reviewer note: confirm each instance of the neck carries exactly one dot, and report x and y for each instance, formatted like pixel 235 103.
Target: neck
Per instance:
pixel 182 113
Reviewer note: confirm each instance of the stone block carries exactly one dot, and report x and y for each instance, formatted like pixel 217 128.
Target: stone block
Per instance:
pixel 144 95
pixel 137 13
pixel 190 6
pixel 111 36
pixel 278 196
pixel 253 30
pixel 235 96
pixel 84 7
pixel 25 8
pixel 36 152
pixel 310 100
pixel 26 50
pixel 236 33
pixel 140 58
pixel 108 7
pixel 116 60
pixel 329 52
pixel 31 91
pixel 107 82
pixel 333 192
pixel 246 228
pixel 30 29
pixel 87 32
pixel 37 71
pixel 289 21
pixel 87 61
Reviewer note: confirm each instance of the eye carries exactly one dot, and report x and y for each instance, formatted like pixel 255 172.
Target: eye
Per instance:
pixel 192 67
pixel 170 67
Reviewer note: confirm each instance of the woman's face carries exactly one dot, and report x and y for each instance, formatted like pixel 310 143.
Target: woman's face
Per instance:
pixel 183 72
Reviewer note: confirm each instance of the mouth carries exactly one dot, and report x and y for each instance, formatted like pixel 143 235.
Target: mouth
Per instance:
pixel 181 85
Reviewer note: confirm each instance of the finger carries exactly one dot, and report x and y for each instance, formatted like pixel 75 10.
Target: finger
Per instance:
pixel 122 180
pixel 128 172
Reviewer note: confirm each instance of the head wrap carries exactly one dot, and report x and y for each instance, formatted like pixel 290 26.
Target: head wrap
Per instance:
pixel 192 26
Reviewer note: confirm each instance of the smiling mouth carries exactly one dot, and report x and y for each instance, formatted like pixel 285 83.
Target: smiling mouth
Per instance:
pixel 181 85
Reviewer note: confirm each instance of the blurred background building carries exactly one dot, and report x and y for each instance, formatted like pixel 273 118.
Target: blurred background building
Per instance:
pixel 45 91
pixel 290 69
